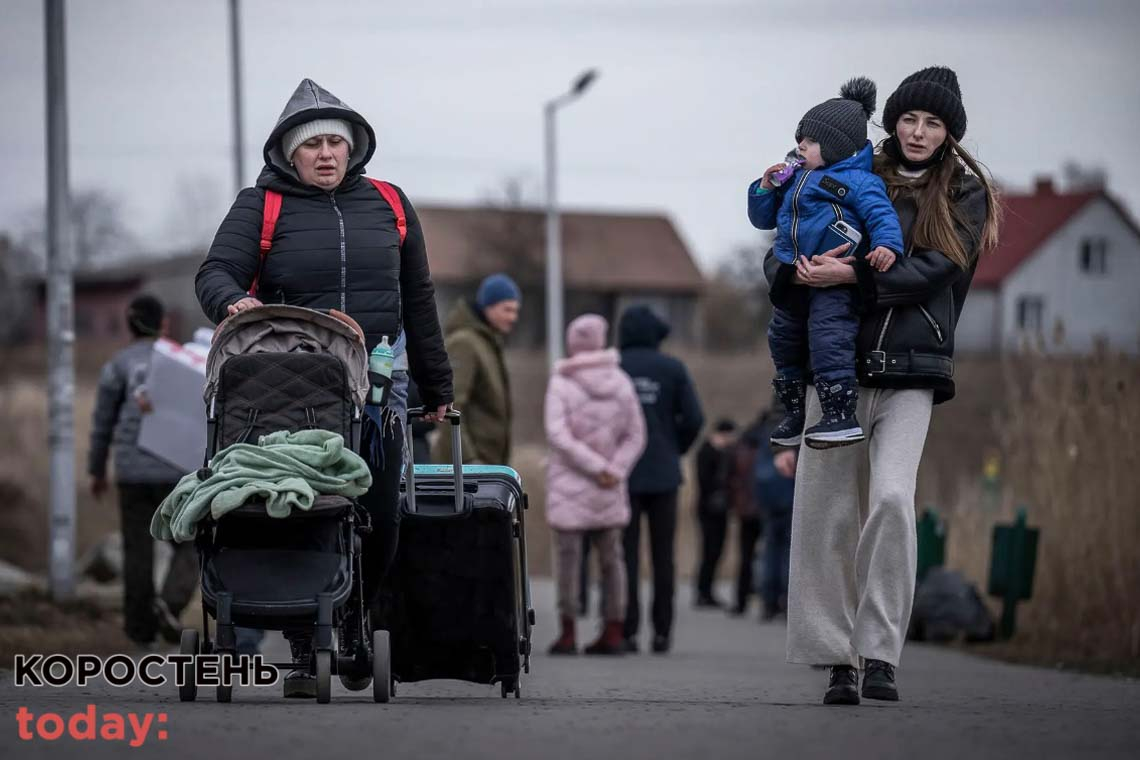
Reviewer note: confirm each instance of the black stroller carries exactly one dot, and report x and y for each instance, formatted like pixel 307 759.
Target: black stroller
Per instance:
pixel 287 368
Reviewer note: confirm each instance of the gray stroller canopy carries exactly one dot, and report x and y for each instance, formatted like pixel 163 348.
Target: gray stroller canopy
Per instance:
pixel 280 328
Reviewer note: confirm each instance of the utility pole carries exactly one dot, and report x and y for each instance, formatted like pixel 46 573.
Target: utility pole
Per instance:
pixel 235 91
pixel 60 316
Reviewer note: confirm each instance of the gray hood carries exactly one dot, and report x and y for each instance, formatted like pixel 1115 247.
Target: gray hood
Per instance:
pixel 311 101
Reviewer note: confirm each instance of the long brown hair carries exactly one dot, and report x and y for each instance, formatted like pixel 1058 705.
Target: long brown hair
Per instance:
pixel 933 192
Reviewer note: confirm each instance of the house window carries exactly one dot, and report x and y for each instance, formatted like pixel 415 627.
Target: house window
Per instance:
pixel 1094 255
pixel 1030 313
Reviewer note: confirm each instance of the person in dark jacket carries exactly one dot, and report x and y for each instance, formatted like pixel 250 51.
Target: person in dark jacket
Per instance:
pixel 337 245
pixel 742 503
pixel 143 481
pixel 772 479
pixel 714 470
pixel 852 573
pixel 673 421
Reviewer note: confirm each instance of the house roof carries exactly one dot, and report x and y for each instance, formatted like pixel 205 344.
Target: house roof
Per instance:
pixel 1030 220
pixel 600 251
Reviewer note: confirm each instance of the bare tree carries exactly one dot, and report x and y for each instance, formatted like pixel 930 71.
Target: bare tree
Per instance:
pixel 508 233
pixel 744 266
pixel 100 233
pixel 196 209
pixel 736 307
pixel 13 294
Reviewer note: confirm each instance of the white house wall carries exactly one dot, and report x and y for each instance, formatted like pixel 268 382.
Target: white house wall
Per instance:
pixel 979 323
pixel 1088 306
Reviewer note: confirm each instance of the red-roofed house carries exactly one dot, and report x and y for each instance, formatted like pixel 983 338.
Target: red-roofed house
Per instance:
pixel 1065 276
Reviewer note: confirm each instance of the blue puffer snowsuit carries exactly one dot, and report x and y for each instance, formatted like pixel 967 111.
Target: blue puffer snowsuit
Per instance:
pixel 802 208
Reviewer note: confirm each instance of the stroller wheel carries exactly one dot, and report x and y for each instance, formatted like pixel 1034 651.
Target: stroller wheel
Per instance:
pixel 226 693
pixel 324 676
pixel 382 686
pixel 188 691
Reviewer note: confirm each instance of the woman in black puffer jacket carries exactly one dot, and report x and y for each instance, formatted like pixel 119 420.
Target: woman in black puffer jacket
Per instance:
pixel 336 245
pixel 853 567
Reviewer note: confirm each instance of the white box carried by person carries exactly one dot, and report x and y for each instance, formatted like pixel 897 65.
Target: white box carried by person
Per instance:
pixel 175 428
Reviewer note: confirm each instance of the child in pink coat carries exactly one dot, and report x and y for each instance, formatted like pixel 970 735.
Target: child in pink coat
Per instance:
pixel 595 431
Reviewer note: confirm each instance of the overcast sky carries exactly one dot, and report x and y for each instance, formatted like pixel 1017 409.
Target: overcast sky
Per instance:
pixel 694 98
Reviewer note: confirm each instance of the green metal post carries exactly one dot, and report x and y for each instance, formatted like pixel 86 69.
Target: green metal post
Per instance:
pixel 1013 590
pixel 931 542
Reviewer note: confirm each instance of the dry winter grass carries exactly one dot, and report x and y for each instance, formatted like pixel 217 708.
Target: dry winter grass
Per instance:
pixel 1067 435
pixel 24 461
pixel 1061 437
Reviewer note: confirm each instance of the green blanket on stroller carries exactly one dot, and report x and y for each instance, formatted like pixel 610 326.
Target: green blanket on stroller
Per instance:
pixel 287 470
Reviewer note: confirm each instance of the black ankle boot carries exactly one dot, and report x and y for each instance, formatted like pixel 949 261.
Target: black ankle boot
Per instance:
pixel 879 681
pixel 300 682
pixel 354 641
pixel 790 391
pixel 843 688
pixel 838 427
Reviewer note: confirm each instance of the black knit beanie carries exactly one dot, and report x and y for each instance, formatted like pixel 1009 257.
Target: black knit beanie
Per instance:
pixel 934 89
pixel 839 125
pixel 144 316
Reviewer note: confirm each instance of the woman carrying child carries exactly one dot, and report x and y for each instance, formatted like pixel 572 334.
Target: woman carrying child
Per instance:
pixel 853 553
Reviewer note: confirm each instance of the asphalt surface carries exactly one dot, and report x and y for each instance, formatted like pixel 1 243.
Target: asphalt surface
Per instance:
pixel 724 692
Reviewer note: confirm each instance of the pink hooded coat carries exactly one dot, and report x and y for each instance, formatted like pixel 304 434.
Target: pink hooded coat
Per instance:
pixel 594 424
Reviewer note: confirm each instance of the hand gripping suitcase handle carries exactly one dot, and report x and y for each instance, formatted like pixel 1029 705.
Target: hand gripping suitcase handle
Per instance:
pixel 453 416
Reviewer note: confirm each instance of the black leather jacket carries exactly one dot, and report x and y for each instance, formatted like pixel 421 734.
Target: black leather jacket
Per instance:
pixel 909 312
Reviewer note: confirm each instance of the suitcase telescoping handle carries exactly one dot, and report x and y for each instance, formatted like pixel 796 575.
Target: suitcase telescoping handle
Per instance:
pixel 453 416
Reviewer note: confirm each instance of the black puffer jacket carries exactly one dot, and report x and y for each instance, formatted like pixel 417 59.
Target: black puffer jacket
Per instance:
pixel 909 312
pixel 332 250
pixel 673 416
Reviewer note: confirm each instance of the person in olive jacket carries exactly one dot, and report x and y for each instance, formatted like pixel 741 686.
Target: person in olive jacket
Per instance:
pixel 673 420
pixel 336 245
pixel 476 331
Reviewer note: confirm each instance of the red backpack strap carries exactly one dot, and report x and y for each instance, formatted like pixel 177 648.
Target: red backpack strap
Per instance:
pixel 397 205
pixel 269 214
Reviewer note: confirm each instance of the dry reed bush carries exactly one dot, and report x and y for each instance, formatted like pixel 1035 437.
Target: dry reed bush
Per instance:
pixel 32 622
pixel 1070 442
pixel 25 460
pixel 1062 440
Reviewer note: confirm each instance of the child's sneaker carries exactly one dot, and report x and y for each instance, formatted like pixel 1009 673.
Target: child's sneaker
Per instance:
pixel 790 392
pixel 838 426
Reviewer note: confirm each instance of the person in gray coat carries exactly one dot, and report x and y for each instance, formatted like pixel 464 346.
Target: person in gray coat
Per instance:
pixel 143 481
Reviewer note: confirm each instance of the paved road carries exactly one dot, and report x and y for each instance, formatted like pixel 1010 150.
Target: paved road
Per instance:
pixel 724 693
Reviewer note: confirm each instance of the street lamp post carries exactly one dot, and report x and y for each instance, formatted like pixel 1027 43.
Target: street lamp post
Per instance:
pixel 60 313
pixel 554 289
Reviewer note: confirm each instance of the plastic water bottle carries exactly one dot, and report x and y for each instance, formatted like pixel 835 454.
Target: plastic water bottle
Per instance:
pixel 792 162
pixel 380 364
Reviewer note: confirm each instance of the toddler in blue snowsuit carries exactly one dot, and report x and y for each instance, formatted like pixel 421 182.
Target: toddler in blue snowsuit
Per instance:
pixel 834 184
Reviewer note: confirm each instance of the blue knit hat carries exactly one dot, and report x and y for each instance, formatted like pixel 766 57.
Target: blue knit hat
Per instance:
pixel 495 289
